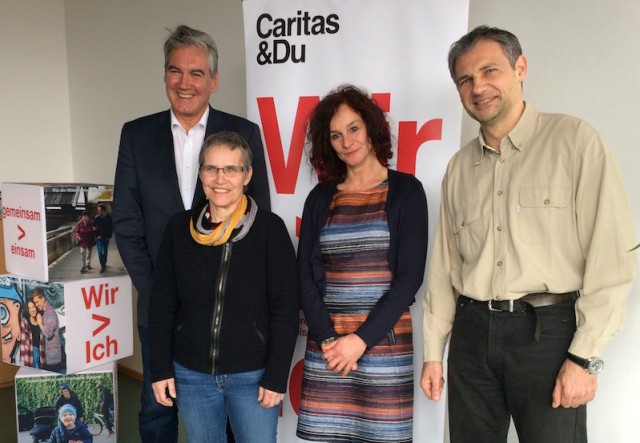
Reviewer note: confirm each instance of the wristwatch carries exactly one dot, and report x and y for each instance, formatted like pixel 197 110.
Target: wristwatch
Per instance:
pixel 592 365
pixel 326 341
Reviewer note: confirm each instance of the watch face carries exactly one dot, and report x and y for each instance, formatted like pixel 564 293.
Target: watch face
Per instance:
pixel 595 365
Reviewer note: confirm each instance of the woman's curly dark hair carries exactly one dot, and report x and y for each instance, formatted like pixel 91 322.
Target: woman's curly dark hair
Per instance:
pixel 323 157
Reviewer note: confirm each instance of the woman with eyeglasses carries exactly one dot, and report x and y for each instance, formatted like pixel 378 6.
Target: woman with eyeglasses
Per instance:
pixel 224 308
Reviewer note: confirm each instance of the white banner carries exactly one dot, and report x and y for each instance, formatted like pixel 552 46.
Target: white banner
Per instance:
pixel 296 52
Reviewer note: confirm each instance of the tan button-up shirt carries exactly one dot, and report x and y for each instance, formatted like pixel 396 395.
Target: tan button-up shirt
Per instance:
pixel 548 213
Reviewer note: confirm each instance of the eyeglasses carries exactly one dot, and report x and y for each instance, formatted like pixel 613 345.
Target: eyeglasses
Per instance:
pixel 229 171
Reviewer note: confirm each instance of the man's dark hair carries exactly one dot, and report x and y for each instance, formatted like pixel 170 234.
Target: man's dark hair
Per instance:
pixel 508 41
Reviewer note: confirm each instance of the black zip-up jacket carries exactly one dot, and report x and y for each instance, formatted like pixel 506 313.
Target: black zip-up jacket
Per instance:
pixel 226 309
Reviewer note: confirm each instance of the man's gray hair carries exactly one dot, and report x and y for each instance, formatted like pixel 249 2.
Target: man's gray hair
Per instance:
pixel 183 37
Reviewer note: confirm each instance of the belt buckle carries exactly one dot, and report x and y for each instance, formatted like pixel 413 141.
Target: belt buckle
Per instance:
pixel 491 308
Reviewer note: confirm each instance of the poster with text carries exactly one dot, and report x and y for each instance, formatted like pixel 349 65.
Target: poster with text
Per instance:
pixel 296 53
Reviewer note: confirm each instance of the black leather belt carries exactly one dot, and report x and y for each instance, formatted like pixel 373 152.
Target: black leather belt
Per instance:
pixel 535 300
pixel 526 303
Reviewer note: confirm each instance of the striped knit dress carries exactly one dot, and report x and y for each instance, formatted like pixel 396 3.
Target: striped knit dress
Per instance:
pixel 375 402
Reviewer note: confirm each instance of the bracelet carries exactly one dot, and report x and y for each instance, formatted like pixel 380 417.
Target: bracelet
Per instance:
pixel 326 341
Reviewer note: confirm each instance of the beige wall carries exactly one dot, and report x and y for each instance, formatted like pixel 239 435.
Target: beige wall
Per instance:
pixel 35 132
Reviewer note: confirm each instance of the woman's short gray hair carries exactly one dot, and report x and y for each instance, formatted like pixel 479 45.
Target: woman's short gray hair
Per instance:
pixel 229 139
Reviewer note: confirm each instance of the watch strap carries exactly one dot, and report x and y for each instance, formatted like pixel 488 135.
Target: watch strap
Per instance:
pixel 582 362
pixel 592 365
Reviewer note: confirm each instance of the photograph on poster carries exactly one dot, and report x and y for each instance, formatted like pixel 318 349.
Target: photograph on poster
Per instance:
pixel 57 231
pixel 42 404
pixel 33 323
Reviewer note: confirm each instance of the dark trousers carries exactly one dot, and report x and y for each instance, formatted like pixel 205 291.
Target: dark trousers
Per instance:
pixel 497 371
pixel 157 423
pixel 102 245
pixel 104 410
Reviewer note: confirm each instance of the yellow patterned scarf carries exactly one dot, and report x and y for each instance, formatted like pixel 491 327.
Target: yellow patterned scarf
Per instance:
pixel 223 231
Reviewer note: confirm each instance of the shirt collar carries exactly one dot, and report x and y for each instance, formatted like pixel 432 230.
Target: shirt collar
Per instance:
pixel 525 128
pixel 518 137
pixel 202 122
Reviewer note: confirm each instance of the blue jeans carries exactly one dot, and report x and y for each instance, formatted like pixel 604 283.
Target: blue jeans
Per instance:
pixel 156 423
pixel 102 245
pixel 36 357
pixel 497 370
pixel 205 400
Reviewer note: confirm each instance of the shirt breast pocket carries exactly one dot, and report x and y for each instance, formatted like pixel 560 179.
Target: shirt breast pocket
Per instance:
pixel 543 214
pixel 467 230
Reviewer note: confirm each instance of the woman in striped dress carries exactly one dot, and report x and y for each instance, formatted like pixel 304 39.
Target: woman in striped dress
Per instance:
pixel 362 252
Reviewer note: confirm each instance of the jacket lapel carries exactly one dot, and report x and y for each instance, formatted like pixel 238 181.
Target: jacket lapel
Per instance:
pixel 166 159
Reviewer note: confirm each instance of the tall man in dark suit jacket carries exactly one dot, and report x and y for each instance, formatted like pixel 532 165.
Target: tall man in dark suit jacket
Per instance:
pixel 157 177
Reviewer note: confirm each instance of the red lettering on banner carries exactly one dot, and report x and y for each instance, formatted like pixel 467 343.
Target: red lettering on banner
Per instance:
pixel 383 100
pixel 99 351
pixel 410 140
pixel 298 224
pixel 97 297
pixel 285 174
pixel 295 386
pixel 106 321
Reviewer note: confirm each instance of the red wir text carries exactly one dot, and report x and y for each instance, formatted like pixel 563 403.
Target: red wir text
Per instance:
pixel 285 173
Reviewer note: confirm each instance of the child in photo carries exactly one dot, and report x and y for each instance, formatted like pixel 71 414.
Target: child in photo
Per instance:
pixel 69 430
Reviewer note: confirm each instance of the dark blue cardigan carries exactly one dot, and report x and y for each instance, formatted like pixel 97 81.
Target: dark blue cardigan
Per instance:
pixel 406 209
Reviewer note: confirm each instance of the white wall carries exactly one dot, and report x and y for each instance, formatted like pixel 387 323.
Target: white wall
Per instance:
pixel 116 68
pixel 583 60
pixel 64 102
pixel 35 136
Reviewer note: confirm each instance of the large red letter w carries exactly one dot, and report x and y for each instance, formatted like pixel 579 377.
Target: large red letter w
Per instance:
pixel 285 174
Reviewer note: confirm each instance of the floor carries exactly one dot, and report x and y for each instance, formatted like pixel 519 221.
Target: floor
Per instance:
pixel 67 267
pixel 128 403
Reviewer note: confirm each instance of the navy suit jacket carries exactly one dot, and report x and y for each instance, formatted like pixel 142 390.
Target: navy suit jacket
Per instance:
pixel 146 192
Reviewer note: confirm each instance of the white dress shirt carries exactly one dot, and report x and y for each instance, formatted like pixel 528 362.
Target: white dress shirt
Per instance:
pixel 186 148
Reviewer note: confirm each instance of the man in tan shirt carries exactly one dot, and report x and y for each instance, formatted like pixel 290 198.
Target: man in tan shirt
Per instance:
pixel 531 264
